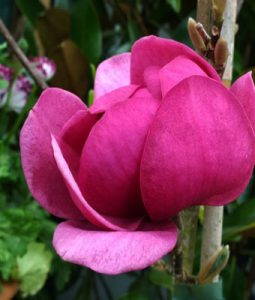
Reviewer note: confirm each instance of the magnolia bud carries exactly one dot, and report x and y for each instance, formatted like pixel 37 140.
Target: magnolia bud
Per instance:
pixel 214 265
pixel 195 36
pixel 221 52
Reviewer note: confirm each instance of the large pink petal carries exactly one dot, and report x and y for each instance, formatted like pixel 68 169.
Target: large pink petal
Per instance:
pixel 200 149
pixel 53 109
pixel 154 51
pixel 88 212
pixel 114 252
pixel 244 91
pixel 112 73
pixel 108 100
pixel 178 69
pixel 109 168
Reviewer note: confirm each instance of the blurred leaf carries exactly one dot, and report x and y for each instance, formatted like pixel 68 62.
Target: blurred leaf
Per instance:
pixel 73 71
pixel 242 219
pixel 142 289
pixel 211 291
pixel 234 282
pixel 175 4
pixel 160 278
pixel 4 84
pixel 90 97
pixel 133 29
pixel 85 29
pixel 53 28
pixel 33 268
pixel 30 9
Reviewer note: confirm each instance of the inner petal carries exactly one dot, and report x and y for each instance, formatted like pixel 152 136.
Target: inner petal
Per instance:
pixel 177 70
pixel 110 161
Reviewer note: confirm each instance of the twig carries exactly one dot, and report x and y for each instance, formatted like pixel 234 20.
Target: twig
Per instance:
pixel 239 6
pixel 21 56
pixel 189 219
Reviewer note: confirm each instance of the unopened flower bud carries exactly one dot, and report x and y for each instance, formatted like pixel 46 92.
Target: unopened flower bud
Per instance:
pixel 195 36
pixel 221 52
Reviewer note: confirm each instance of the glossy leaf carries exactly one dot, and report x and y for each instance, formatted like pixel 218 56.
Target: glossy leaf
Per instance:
pixel 73 73
pixel 30 9
pixel 53 28
pixel 175 4
pixel 85 29
pixel 211 291
pixel 240 220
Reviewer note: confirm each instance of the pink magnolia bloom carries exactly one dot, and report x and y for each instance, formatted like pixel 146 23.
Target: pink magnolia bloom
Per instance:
pixel 20 90
pixel 45 66
pixel 163 134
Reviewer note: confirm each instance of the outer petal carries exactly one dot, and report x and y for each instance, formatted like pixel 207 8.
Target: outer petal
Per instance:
pixel 108 100
pixel 114 252
pixel 53 109
pixel 153 51
pixel 89 213
pixel 200 149
pixel 109 168
pixel 178 69
pixel 112 74
pixel 244 91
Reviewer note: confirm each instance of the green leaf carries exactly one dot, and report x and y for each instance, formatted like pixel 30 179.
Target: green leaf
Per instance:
pixel 160 278
pixel 90 97
pixel 133 29
pixel 33 268
pixel 4 84
pixel 85 29
pixel 31 9
pixel 211 291
pixel 240 220
pixel 175 4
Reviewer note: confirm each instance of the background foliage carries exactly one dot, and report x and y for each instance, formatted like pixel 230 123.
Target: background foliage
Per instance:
pixel 77 35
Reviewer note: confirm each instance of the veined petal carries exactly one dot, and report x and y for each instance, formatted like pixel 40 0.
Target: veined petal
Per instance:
pixel 200 149
pixel 154 51
pixel 112 73
pixel 114 252
pixel 244 91
pixel 89 212
pixel 53 109
pixel 178 69
pixel 109 167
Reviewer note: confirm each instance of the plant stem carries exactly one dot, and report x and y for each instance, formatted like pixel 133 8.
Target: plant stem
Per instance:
pixel 204 14
pixel 189 219
pixel 228 33
pixel 21 56
pixel 212 228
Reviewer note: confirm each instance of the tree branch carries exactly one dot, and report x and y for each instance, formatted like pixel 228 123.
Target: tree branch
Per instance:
pixel 21 56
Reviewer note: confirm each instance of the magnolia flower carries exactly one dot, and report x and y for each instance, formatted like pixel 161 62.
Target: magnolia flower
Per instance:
pixel 22 85
pixel 163 134
pixel 45 66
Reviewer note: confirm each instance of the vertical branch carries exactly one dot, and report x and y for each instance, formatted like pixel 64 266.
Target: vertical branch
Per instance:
pixel 189 219
pixel 228 33
pixel 212 228
pixel 204 14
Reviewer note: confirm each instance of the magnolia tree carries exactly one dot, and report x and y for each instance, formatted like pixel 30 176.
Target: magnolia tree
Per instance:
pixel 165 135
